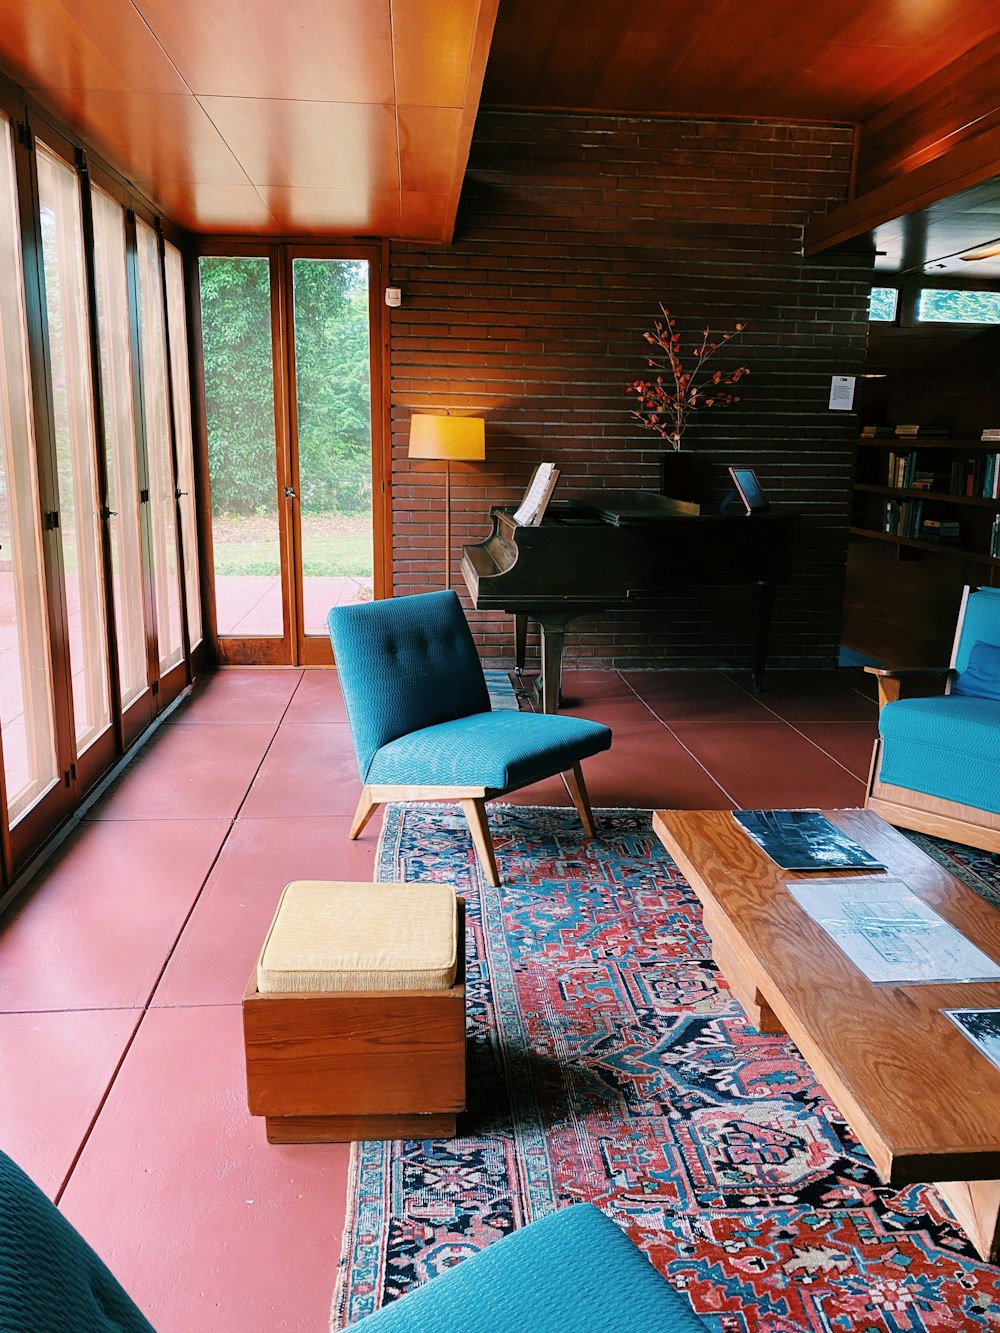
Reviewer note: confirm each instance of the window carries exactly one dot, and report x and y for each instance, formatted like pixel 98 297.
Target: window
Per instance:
pixel 883 303
pixel 26 715
pixel 958 306
pixel 76 462
pixel 119 434
pixel 239 407
pixel 162 502
pixel 177 320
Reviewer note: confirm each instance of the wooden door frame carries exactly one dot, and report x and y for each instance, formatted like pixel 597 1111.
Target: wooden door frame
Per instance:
pixel 294 648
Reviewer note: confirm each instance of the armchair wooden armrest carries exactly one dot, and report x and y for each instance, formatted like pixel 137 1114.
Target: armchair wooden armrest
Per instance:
pixel 892 679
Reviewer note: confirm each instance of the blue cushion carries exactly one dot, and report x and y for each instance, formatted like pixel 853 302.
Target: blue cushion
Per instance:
pixel 981 624
pixel 498 750
pixel 981 676
pixel 571 1272
pixel 405 663
pixel 50 1278
pixel 945 746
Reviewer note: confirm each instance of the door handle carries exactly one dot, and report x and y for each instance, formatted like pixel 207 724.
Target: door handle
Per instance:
pixel 290 492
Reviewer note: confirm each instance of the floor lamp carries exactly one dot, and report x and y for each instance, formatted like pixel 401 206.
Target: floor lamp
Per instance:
pixel 447 439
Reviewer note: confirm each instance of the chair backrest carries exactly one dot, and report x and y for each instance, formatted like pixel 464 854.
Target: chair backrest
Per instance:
pixel 978 622
pixel 405 663
pixel 50 1278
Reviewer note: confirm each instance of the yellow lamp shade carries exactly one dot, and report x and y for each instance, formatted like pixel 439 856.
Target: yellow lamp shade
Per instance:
pixel 447 438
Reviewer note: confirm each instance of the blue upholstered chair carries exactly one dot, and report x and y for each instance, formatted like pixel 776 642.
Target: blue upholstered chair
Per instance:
pixel 573 1271
pixel 420 717
pixel 50 1278
pixel 570 1270
pixel 936 766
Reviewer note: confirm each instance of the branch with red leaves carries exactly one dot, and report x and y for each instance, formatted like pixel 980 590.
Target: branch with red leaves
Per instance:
pixel 666 407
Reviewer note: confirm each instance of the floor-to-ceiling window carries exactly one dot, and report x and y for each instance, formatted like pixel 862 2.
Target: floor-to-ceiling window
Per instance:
pixel 99 562
pixel 295 456
pixel 68 322
pixel 118 403
pixel 27 726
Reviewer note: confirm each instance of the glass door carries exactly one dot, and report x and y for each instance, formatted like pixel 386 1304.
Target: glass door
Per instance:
pixel 296 481
pixel 332 528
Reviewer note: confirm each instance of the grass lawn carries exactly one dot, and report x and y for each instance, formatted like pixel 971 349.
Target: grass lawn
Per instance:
pixel 332 545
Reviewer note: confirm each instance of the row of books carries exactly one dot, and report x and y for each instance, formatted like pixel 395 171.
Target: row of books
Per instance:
pixel 905 518
pixel 906 432
pixel 977 476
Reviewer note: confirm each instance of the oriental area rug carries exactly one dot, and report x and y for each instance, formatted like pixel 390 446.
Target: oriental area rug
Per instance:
pixel 608 1062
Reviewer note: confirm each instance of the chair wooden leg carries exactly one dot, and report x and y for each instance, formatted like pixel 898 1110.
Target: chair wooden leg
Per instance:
pixel 475 813
pixel 577 788
pixel 366 808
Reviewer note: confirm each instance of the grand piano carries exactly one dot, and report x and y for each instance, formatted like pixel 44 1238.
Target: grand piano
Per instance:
pixel 620 550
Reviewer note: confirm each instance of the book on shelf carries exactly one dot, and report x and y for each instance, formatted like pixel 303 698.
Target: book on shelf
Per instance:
pixel 903 518
pixel 995 538
pixel 922 432
pixel 878 432
pixel 991 433
pixel 940 530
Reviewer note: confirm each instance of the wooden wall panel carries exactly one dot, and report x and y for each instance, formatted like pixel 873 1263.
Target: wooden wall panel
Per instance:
pixel 571 229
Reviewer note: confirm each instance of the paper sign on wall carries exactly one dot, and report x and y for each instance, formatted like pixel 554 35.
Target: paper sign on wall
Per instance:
pixel 841 393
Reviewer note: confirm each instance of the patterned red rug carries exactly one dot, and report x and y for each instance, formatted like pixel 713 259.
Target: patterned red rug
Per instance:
pixel 608 1062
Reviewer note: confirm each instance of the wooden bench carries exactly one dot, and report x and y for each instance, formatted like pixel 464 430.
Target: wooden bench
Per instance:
pixel 920 1097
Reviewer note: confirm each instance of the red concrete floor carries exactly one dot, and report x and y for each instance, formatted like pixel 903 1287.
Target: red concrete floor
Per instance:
pixel 121 973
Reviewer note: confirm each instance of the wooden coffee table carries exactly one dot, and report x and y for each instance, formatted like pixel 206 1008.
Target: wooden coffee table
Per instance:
pixel 921 1098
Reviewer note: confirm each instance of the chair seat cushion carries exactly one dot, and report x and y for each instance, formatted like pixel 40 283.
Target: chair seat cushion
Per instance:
pixel 948 746
pixel 572 1270
pixel 332 936
pixel 495 750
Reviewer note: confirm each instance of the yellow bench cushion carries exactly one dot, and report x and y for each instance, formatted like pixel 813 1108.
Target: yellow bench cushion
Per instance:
pixel 334 936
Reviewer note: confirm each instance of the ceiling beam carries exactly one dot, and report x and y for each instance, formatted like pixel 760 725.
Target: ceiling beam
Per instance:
pixel 953 105
pixel 969 163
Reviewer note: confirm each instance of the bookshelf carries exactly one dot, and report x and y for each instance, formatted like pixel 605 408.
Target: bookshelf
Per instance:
pixel 941 496
pixel 903 591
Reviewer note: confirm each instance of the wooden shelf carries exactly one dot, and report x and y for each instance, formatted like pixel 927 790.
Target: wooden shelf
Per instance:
pixel 938 548
pixel 966 443
pixel 919 494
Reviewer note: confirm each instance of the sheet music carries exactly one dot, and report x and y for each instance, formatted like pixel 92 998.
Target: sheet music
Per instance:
pixel 536 497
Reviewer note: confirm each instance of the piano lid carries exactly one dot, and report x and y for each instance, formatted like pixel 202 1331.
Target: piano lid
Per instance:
pixel 624 508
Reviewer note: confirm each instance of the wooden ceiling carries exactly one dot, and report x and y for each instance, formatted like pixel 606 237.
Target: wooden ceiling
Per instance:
pixel 346 117
pixel 354 117
pixel 835 60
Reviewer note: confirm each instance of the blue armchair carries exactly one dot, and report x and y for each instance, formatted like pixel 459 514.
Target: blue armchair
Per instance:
pixel 421 721
pixel 936 766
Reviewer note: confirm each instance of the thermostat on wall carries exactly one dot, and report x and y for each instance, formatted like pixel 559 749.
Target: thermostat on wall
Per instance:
pixel 393 296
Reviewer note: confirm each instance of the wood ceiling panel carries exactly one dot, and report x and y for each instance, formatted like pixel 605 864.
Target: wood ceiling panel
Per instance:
pixel 348 212
pixel 427 138
pixel 424 216
pixel 334 146
pixel 214 208
pixel 84 45
pixel 159 137
pixel 257 48
pixel 433 45
pixel 837 61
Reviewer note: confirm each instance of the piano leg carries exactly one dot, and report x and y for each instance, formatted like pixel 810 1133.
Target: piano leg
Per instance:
pixel 520 641
pixel 553 637
pixel 764 607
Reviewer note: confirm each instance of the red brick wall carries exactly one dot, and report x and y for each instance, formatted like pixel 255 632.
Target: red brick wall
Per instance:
pixel 571 229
